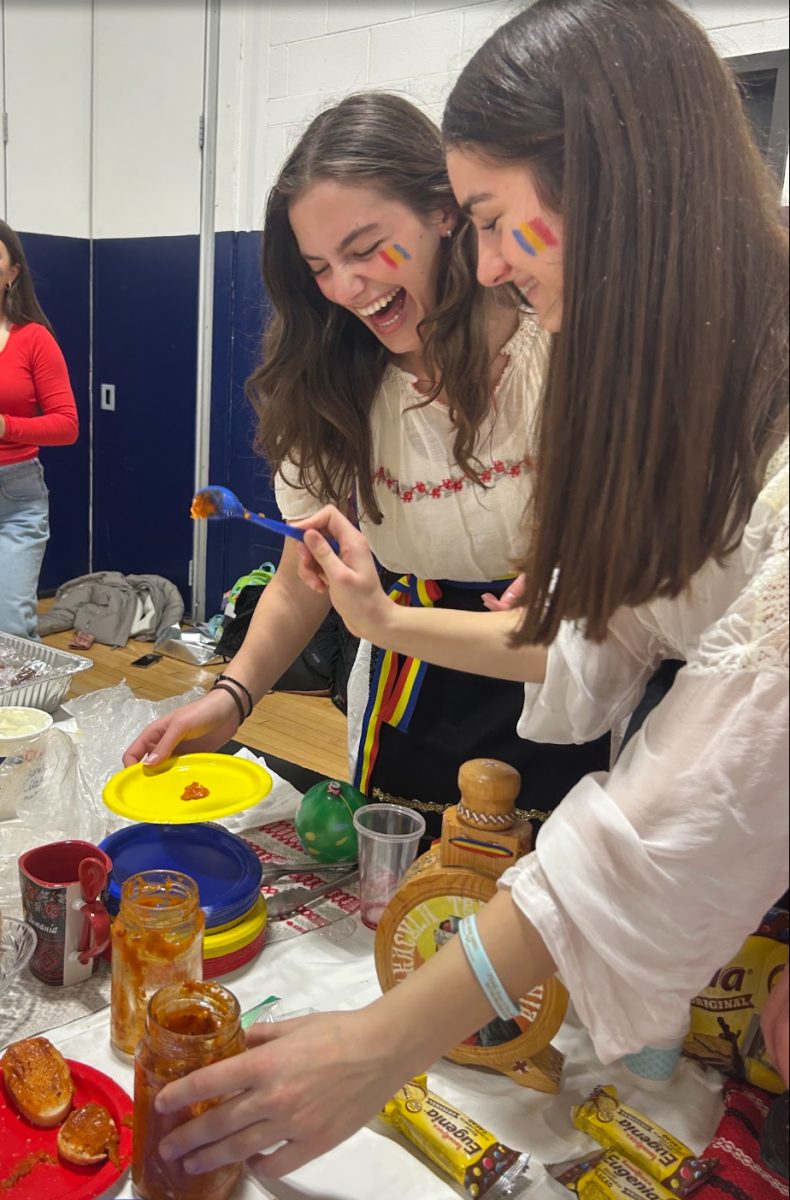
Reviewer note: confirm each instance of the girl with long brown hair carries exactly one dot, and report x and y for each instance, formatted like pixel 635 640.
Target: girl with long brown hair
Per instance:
pixel 602 152
pixel 36 409
pixel 391 383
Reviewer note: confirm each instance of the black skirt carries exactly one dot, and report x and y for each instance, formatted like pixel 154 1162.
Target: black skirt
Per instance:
pixel 458 716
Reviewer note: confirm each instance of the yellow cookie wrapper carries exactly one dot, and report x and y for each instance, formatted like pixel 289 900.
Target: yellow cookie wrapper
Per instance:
pixel 609 1176
pixel 642 1141
pixel 472 1157
pixel 725 1030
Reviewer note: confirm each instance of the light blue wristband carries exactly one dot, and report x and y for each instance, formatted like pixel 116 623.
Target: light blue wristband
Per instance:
pixel 484 972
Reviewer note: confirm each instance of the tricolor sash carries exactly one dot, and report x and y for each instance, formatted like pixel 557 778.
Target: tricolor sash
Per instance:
pixel 396 682
pixel 395 686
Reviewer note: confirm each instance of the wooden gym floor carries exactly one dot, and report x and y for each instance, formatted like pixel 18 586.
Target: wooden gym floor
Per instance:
pixel 307 730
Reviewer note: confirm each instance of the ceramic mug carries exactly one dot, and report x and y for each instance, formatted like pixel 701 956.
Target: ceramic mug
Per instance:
pixel 61 885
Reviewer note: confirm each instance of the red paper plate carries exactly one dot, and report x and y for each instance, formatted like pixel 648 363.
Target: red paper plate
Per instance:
pixel 65 1180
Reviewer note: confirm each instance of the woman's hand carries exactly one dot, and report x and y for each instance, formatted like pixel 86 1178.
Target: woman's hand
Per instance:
pixel 313 1081
pixel 205 724
pixel 775 1017
pixel 310 1082
pixel 350 576
pixel 509 598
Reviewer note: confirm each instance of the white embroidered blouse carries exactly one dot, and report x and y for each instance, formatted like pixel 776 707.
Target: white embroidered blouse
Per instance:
pixel 437 523
pixel 648 879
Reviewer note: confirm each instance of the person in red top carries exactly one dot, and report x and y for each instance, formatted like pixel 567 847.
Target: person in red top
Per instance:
pixel 36 409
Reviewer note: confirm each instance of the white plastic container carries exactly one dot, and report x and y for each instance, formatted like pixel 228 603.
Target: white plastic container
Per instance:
pixel 20 725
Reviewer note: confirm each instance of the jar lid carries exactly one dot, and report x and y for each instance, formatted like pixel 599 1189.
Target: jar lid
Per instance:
pixel 226 870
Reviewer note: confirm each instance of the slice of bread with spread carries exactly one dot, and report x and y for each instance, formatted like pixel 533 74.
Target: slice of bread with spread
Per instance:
pixel 89 1136
pixel 38 1081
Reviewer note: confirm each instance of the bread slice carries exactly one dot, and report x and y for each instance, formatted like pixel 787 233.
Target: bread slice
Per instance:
pixel 38 1081
pixel 89 1136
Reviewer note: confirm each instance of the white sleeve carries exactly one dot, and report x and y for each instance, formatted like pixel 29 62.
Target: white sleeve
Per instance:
pixel 645 881
pixel 294 502
pixel 589 687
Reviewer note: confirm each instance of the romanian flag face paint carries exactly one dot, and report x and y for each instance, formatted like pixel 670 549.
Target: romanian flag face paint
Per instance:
pixel 534 236
pixel 394 255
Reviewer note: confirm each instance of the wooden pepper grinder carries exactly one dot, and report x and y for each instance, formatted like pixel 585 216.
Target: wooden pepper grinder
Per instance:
pixel 481 838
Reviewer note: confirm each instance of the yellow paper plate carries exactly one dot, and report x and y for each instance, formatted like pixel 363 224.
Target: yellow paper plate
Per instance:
pixel 229 938
pixel 154 793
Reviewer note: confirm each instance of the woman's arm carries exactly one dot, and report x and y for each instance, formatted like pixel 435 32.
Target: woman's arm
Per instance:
pixel 285 618
pixel 56 423
pixel 464 641
pixel 313 1082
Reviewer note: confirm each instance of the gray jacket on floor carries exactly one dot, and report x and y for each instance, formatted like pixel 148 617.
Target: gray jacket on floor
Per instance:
pixel 111 606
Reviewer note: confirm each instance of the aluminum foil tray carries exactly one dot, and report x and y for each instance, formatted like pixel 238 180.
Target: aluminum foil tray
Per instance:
pixel 55 669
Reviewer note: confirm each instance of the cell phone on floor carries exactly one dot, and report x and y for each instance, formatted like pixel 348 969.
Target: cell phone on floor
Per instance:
pixel 147 660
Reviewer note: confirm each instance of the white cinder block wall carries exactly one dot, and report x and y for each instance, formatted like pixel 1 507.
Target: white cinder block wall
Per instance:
pixel 283 62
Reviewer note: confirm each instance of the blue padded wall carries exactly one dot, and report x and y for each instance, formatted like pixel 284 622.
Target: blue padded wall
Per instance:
pixel 145 343
pixel 239 314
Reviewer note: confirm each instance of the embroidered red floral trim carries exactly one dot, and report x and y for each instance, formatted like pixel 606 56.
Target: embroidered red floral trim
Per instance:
pixel 425 489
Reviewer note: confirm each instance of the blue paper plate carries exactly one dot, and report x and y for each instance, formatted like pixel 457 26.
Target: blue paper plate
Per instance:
pixel 227 872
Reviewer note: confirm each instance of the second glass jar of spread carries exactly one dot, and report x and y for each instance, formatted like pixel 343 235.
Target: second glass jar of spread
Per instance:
pixel 188 1025
pixel 157 939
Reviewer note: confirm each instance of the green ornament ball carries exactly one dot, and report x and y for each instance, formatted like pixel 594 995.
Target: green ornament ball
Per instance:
pixel 325 821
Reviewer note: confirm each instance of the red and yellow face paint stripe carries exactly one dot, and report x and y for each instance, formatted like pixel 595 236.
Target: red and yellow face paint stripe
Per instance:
pixel 534 236
pixel 394 255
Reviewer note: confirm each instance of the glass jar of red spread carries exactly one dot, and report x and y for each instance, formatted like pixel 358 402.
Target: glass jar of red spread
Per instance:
pixel 157 938
pixel 187 1026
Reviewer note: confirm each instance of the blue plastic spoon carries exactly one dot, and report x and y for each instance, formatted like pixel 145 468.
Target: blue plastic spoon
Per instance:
pixel 227 505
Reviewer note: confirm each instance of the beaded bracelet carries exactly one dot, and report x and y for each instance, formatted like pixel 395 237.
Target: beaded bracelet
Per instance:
pixel 224 687
pixel 484 972
pixel 242 688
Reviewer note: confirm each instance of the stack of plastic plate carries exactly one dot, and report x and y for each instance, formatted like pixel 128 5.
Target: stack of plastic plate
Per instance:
pixel 227 947
pixel 226 870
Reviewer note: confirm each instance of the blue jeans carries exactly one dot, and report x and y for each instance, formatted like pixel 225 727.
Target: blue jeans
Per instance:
pixel 24 532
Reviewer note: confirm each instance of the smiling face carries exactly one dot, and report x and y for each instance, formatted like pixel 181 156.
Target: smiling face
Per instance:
pixel 375 256
pixel 519 240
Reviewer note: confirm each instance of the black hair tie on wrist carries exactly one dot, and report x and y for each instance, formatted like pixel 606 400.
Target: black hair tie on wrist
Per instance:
pixel 224 687
pixel 242 688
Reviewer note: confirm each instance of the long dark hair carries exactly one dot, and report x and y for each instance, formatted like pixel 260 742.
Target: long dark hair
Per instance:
pixel 667 386
pixel 21 306
pixel 321 366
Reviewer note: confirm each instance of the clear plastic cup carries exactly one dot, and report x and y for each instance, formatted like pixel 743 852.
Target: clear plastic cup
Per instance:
pixel 388 837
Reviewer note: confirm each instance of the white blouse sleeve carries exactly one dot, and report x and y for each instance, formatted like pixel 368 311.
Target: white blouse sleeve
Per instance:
pixel 294 502
pixel 647 880
pixel 589 688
